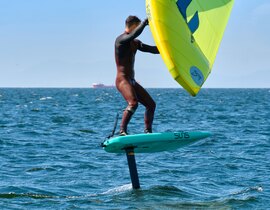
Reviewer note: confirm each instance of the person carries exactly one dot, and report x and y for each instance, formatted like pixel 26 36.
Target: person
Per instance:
pixel 126 46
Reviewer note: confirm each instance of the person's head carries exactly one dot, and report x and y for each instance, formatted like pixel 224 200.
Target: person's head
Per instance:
pixel 132 22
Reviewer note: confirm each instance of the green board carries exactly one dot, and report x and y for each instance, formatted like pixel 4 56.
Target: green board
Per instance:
pixel 154 142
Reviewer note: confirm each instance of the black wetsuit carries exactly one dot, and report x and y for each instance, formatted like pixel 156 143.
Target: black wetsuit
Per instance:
pixel 126 47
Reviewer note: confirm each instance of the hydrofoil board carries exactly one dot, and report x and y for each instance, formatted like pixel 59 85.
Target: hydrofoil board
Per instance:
pixel 153 142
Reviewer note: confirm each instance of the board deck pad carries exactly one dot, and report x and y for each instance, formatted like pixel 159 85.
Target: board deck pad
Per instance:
pixel 154 142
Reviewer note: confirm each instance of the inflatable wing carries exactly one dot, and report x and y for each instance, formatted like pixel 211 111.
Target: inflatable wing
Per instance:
pixel 188 34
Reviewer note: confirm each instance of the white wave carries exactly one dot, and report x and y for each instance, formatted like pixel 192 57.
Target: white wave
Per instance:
pixel 45 98
pixel 124 188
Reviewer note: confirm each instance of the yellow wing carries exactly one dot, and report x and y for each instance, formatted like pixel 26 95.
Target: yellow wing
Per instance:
pixel 188 34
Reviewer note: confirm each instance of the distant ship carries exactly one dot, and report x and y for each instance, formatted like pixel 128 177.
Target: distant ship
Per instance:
pixel 100 85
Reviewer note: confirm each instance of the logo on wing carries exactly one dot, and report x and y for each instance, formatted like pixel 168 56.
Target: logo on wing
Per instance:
pixel 197 75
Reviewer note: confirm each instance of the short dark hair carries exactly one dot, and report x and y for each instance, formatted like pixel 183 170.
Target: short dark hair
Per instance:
pixel 132 20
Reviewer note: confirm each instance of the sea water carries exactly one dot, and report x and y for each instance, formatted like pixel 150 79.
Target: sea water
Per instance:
pixel 50 154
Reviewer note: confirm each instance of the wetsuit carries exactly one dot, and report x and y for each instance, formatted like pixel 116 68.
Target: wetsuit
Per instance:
pixel 126 47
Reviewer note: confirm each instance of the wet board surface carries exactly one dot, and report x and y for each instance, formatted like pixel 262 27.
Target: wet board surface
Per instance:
pixel 154 142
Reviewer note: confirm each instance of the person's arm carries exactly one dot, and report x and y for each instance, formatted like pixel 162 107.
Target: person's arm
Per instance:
pixel 147 48
pixel 134 34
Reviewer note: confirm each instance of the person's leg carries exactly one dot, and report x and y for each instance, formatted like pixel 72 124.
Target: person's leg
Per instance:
pixel 150 106
pixel 129 94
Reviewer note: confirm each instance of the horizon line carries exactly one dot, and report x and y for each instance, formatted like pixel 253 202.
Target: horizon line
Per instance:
pixel 58 87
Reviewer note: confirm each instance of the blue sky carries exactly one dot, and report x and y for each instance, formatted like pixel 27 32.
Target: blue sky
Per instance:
pixel 70 43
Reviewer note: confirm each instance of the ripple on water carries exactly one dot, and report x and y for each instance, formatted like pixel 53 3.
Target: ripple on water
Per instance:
pixel 50 150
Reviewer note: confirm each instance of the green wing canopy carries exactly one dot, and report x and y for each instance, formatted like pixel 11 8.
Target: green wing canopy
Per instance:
pixel 213 18
pixel 188 34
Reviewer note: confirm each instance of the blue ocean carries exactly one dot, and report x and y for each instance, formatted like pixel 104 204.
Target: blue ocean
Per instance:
pixel 50 154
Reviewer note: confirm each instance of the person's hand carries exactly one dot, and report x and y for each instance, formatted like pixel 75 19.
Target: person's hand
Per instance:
pixel 146 22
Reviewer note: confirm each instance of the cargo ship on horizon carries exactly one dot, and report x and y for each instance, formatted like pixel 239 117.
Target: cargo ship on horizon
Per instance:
pixel 101 85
